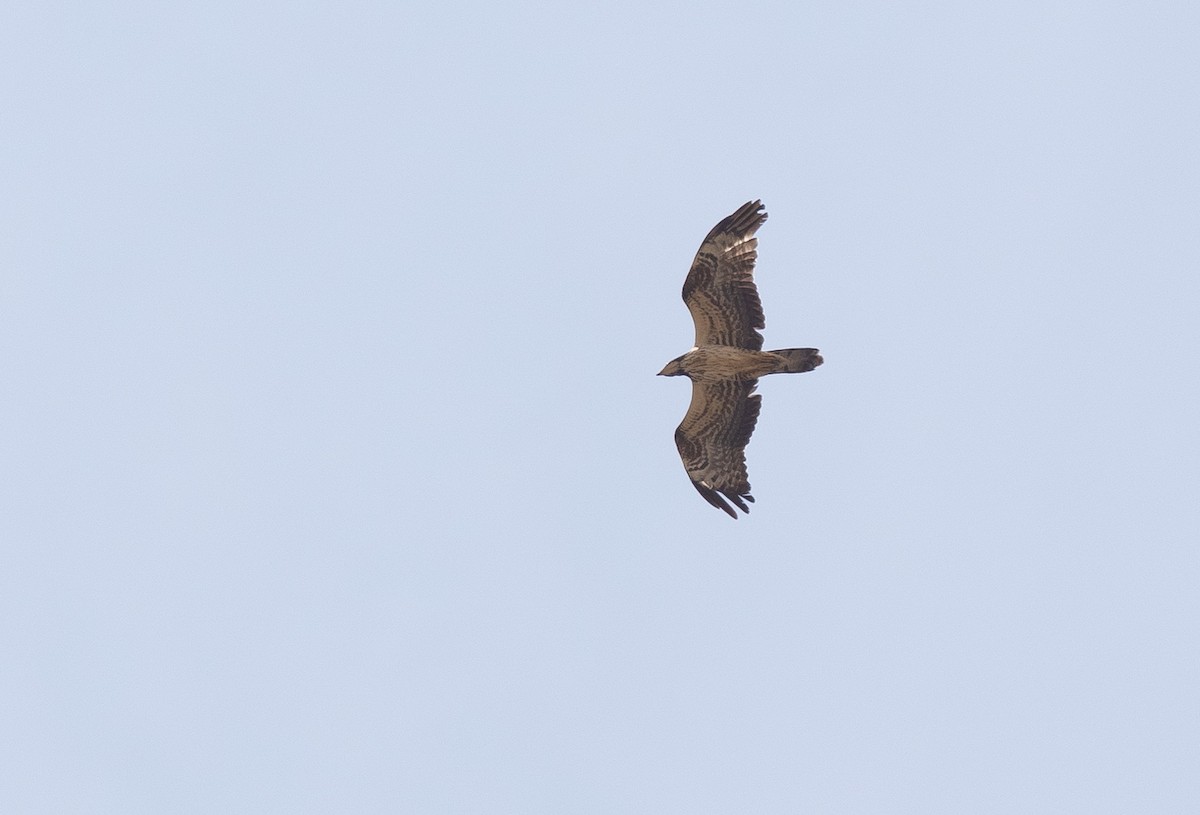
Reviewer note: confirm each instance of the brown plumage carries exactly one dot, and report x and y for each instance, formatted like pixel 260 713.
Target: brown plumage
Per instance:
pixel 727 361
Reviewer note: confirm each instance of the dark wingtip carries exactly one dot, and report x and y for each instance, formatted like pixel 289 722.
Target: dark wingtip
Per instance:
pixel 717 499
pixel 737 499
pixel 744 221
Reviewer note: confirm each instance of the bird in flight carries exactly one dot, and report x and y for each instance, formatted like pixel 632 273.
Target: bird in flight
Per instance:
pixel 727 361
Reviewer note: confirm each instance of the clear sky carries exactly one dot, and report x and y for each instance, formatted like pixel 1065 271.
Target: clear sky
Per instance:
pixel 336 476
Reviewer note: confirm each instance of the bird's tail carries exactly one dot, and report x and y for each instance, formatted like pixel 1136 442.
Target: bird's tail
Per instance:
pixel 797 360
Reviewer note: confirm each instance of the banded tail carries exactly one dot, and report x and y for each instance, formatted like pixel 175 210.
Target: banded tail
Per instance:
pixel 797 360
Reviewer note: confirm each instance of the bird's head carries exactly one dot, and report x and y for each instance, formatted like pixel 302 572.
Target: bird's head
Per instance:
pixel 673 368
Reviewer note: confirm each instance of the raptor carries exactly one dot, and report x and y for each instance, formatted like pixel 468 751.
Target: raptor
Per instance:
pixel 727 360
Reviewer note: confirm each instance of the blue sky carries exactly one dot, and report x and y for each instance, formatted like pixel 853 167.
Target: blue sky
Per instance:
pixel 337 474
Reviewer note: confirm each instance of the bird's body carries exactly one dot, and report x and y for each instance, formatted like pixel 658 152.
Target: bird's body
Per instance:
pixel 727 361
pixel 714 362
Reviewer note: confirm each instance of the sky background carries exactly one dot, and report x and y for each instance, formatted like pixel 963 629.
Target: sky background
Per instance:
pixel 336 476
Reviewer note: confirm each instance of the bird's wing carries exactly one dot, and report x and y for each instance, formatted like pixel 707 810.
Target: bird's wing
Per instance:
pixel 712 441
pixel 719 290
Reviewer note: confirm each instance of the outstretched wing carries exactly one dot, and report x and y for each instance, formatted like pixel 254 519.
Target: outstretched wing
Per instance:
pixel 712 441
pixel 719 290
